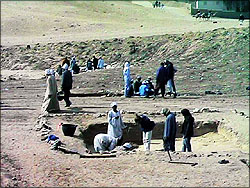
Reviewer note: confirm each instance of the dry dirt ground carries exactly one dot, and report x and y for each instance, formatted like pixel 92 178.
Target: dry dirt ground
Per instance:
pixel 28 161
pixel 30 22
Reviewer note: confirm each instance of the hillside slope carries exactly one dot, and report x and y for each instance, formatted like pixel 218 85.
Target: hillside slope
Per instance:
pixel 216 60
pixel 30 22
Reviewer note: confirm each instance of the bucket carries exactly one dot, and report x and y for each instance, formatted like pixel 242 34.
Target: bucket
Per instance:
pixel 68 129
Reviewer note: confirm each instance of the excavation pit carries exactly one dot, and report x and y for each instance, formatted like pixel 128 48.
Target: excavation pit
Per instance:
pixel 134 134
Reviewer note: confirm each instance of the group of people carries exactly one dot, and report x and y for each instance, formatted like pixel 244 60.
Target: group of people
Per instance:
pixel 95 63
pixel 72 66
pixel 51 99
pixel 164 78
pixel 158 4
pixel 114 136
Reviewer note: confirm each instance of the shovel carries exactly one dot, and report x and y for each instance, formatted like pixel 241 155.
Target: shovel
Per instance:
pixel 179 162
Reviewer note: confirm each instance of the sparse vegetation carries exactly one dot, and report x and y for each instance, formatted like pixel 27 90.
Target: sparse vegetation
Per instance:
pixel 214 60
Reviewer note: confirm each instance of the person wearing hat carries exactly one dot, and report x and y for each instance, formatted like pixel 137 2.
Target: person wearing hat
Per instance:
pixel 187 129
pixel 104 142
pixel 137 84
pixel 50 102
pixel 146 126
pixel 101 63
pixel 115 123
pixel 66 84
pixel 170 129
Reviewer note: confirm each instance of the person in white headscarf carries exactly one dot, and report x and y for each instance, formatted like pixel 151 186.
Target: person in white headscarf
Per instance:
pixel 127 79
pixel 50 102
pixel 104 142
pixel 115 123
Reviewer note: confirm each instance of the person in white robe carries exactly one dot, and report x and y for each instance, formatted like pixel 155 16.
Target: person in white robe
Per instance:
pixel 127 79
pixel 104 142
pixel 115 123
pixel 50 102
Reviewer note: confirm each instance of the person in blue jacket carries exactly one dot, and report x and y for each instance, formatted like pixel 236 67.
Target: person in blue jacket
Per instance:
pixel 144 90
pixel 161 80
pixel 170 129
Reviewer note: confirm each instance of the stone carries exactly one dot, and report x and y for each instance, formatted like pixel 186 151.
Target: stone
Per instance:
pixel 223 161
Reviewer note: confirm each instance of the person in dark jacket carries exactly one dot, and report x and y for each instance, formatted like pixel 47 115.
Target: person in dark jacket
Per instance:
pixel 146 126
pixel 160 80
pixel 89 64
pixel 170 71
pixel 170 130
pixel 241 19
pixel 66 85
pixel 150 86
pixel 187 129
pixel 137 84
pixel 95 62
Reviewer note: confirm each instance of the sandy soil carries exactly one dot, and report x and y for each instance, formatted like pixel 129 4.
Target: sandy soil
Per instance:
pixel 39 22
pixel 28 161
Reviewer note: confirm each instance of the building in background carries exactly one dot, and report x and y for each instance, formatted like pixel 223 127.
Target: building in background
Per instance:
pixel 223 8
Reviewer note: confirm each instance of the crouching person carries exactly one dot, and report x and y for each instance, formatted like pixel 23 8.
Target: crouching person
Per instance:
pixel 146 126
pixel 104 142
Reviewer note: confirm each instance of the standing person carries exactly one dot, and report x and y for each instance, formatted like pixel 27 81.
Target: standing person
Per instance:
pixel 137 84
pixel 170 71
pixel 241 19
pixel 95 62
pixel 170 129
pixel 187 129
pixel 100 63
pixel 104 142
pixel 115 123
pixel 146 126
pixel 127 79
pixel 50 101
pixel 65 61
pixel 160 80
pixel 72 62
pixel 67 85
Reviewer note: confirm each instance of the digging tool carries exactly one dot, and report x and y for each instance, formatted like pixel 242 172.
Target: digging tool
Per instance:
pixel 169 156
pixel 179 162
pixel 97 155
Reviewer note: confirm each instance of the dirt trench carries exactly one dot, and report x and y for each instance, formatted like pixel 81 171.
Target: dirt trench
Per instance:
pixel 134 135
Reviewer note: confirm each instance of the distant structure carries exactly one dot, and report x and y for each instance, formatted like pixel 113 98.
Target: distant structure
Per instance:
pixel 222 8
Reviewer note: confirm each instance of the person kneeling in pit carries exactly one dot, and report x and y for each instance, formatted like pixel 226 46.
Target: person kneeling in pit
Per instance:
pixel 104 142
pixel 146 126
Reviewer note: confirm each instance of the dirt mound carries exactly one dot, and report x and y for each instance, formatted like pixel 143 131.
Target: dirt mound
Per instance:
pixel 214 60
